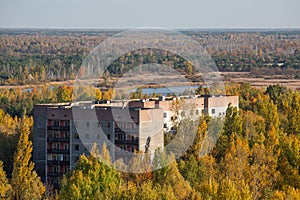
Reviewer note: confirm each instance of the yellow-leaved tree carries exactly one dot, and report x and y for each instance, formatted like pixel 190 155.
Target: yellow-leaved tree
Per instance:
pixel 5 187
pixel 26 184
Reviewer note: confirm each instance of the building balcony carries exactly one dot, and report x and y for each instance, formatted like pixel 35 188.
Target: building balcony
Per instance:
pixel 127 142
pixel 60 151
pixel 119 130
pixel 58 162
pixel 126 130
pixel 51 139
pixel 58 128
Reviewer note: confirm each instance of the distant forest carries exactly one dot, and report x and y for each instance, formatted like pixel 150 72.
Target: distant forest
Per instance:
pixel 37 56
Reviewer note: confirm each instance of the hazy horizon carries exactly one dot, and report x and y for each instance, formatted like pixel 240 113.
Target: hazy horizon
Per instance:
pixel 117 14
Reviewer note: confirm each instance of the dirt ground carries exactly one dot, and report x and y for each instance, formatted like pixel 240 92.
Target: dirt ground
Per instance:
pixel 262 82
pixel 228 77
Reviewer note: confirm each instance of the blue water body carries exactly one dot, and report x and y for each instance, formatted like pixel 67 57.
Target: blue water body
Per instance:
pixel 165 91
pixel 177 90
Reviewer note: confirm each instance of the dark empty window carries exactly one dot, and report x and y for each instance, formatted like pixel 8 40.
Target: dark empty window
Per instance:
pixel 121 137
pixel 55 146
pixel 165 125
pixel 66 147
pixel 55 123
pixel 67 123
pixel 76 147
pixel 213 111
pixel 56 134
pixel 54 157
pixel 67 135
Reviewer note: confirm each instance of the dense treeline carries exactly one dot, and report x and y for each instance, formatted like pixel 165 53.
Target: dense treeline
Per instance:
pixel 257 156
pixel 32 57
pixel 16 149
pixel 25 69
pixel 19 102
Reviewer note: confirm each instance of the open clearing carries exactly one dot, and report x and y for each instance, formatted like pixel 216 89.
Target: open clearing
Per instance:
pixel 228 77
pixel 261 82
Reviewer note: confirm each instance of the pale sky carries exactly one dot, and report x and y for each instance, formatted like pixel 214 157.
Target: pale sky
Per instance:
pixel 149 13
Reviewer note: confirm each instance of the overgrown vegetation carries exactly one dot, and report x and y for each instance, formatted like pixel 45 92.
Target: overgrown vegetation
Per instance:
pixel 257 156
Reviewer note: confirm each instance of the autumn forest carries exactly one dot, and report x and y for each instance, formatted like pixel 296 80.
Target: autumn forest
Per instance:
pixel 257 154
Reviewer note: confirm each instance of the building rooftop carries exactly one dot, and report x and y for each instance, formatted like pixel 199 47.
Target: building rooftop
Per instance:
pixel 124 103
